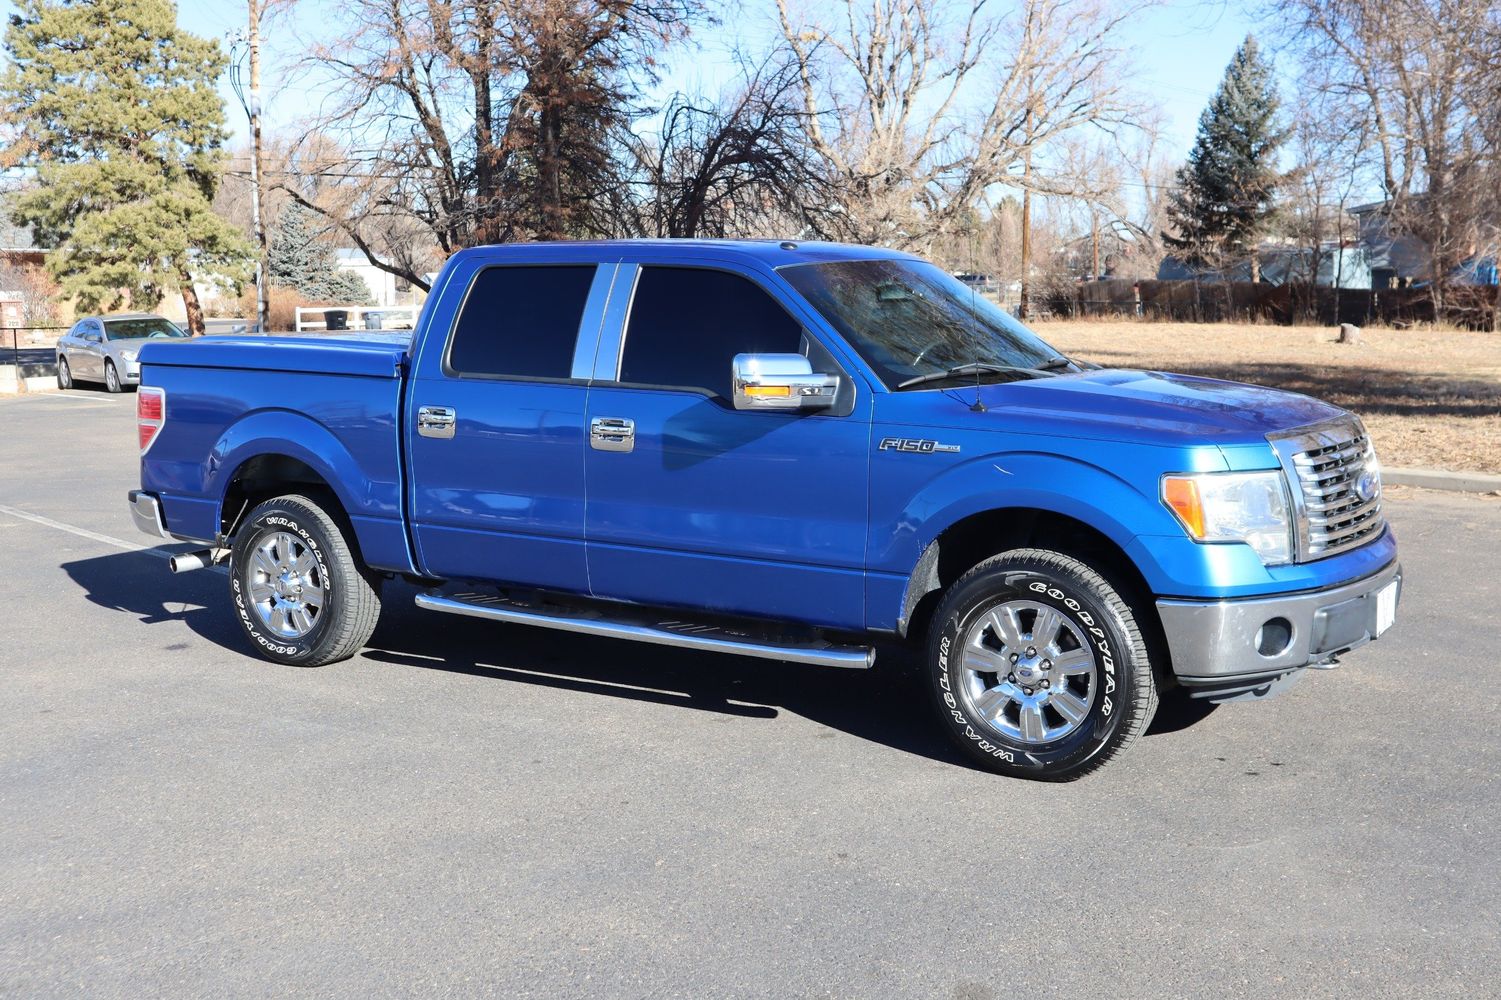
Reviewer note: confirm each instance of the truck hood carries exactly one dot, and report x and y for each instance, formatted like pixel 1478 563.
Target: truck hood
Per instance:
pixel 1150 407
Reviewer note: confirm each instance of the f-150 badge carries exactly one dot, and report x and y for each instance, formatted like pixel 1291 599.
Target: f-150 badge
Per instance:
pixel 922 446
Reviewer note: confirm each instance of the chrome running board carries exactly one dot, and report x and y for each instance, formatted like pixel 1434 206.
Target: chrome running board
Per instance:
pixel 654 628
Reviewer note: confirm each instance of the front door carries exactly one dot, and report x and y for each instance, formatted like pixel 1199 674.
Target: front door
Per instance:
pixel 495 433
pixel 86 352
pixel 696 504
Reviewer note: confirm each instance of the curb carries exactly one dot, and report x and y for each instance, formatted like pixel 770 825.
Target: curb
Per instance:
pixel 9 386
pixel 1437 479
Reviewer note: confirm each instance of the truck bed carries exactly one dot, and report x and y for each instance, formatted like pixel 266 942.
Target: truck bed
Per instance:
pixel 329 403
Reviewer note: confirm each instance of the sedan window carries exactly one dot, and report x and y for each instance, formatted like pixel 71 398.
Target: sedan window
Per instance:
pixel 142 328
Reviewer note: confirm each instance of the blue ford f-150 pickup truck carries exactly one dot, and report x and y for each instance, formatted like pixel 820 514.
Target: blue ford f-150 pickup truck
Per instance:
pixel 786 450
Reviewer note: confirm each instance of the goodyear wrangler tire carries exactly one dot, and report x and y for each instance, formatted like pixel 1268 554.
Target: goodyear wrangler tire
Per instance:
pixel 299 592
pixel 1038 668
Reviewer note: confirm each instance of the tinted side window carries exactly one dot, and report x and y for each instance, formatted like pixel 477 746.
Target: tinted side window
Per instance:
pixel 521 321
pixel 687 325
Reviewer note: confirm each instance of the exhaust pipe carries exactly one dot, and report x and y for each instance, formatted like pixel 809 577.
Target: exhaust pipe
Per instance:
pixel 186 562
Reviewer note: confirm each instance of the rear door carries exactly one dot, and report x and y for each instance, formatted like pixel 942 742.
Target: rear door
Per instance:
pixel 495 424
pixel 696 504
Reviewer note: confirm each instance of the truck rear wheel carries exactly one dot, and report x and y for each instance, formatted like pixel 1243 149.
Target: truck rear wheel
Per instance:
pixel 299 592
pixel 1038 668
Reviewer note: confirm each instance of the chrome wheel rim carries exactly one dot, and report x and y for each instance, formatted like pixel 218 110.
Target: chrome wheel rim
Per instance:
pixel 111 378
pixel 67 376
pixel 286 586
pixel 1027 672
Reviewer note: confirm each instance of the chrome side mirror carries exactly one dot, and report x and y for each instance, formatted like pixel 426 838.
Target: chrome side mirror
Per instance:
pixel 780 382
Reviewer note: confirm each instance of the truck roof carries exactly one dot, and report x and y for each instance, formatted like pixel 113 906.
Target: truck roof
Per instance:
pixel 773 253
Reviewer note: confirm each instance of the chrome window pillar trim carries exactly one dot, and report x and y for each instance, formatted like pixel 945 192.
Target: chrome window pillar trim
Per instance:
pixel 612 330
pixel 592 322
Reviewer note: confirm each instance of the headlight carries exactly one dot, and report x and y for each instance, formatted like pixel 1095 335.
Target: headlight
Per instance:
pixel 1249 507
pixel 128 355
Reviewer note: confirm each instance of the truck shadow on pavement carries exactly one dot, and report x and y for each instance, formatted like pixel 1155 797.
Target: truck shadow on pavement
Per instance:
pixel 886 705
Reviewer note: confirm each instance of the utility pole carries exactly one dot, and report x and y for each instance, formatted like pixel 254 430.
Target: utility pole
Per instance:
pixel 262 259
pixel 1024 305
pixel 1094 234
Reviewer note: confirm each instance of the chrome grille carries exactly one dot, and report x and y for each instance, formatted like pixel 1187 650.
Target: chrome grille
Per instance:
pixel 1325 466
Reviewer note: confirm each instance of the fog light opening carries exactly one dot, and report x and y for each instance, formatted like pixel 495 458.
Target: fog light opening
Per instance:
pixel 1274 636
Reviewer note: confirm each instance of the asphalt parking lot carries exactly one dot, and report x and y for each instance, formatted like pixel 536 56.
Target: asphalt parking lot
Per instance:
pixel 469 809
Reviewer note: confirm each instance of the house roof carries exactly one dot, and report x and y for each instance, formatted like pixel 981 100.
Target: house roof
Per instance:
pixel 14 238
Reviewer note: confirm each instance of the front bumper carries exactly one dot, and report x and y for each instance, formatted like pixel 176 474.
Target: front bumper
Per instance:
pixel 1252 646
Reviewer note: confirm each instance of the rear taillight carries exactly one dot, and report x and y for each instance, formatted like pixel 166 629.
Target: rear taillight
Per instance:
pixel 151 414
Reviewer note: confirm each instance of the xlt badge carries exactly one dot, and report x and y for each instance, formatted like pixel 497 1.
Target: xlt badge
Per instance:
pixel 922 446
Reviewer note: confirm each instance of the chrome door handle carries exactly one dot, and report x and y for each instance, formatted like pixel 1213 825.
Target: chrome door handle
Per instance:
pixel 612 434
pixel 436 421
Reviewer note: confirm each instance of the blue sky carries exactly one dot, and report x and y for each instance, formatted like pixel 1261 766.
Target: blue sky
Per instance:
pixel 1181 50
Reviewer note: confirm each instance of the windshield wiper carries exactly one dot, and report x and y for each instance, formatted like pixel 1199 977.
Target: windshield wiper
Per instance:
pixel 1056 364
pixel 958 371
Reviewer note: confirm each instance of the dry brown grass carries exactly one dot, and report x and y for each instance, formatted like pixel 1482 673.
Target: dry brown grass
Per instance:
pixel 1431 398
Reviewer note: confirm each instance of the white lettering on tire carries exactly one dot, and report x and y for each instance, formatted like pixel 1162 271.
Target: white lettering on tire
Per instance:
pixel 1098 637
pixel 242 608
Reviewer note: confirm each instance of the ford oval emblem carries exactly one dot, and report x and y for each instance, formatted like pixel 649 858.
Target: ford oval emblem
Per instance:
pixel 1368 485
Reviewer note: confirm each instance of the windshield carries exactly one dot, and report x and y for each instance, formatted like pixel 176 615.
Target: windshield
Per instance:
pixel 910 319
pixel 142 328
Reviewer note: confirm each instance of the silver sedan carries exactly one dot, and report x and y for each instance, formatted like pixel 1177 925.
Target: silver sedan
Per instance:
pixel 103 348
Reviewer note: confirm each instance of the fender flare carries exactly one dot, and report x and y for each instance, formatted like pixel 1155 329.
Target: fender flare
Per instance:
pixel 294 435
pixel 1023 481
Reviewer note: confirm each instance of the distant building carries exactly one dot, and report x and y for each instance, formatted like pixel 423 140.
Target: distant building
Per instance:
pixel 17 247
pixel 1396 258
pixel 1342 267
pixel 386 289
pixel 12 308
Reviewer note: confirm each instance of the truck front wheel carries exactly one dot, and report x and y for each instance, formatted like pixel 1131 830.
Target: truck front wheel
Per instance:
pixel 1038 668
pixel 299 592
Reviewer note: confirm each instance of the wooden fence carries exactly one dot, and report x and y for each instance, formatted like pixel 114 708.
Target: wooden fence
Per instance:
pixel 1473 306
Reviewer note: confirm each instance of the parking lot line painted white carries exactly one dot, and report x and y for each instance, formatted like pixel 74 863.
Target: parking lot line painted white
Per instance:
pixel 48 522
pixel 74 529
pixel 70 397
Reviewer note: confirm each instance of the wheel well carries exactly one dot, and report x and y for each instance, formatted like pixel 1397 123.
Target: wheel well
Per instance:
pixel 266 476
pixel 976 538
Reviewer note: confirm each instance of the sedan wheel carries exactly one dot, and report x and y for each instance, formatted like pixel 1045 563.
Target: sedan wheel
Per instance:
pixel 64 374
pixel 111 377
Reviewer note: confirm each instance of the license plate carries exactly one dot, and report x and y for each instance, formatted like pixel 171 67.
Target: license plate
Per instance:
pixel 1386 607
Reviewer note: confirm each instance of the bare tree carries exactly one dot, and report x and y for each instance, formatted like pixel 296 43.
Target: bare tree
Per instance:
pixel 39 293
pixel 1320 190
pixel 736 166
pixel 1121 184
pixel 917 113
pixel 476 121
pixel 1413 75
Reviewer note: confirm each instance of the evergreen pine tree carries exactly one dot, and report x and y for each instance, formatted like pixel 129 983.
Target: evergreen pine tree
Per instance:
pixel 300 261
pixel 115 109
pixel 1226 194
